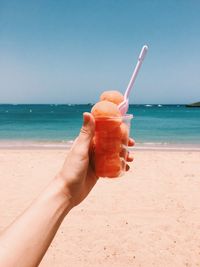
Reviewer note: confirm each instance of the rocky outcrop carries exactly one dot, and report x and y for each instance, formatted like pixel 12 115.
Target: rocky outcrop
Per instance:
pixel 194 105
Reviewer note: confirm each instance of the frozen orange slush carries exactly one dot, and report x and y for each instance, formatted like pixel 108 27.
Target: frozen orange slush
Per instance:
pixel 111 134
pixel 112 96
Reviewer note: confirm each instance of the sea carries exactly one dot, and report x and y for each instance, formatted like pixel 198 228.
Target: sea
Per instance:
pixel 58 125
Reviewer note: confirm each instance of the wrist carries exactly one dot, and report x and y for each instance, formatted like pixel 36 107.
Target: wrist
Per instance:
pixel 61 187
pixel 57 192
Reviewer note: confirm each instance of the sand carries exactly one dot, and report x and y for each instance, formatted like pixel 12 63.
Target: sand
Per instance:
pixel 149 217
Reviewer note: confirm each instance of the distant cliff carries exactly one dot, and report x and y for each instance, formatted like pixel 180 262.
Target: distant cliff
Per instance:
pixel 194 105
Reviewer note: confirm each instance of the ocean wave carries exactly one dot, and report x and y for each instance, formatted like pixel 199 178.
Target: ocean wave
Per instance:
pixel 6 144
pixel 166 146
pixel 36 144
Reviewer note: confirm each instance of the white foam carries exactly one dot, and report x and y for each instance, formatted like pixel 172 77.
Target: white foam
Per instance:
pixel 35 144
pixel 166 146
pixel 18 144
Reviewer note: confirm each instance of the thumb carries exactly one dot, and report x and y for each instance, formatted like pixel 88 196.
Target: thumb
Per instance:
pixel 87 130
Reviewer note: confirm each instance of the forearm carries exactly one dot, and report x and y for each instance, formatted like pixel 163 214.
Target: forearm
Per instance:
pixel 25 242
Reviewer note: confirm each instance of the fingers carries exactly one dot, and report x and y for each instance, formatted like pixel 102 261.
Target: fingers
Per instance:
pixel 87 130
pixel 129 158
pixel 131 142
pixel 126 155
pixel 127 167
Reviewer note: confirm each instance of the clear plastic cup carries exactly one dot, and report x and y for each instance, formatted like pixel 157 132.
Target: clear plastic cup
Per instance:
pixel 111 145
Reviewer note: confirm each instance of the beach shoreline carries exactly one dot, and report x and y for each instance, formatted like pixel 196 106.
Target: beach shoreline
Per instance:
pixel 66 145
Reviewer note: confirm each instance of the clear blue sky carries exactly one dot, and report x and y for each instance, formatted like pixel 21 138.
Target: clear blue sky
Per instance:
pixel 69 51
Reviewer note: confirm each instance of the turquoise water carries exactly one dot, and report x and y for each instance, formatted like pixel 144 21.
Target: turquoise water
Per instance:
pixel 151 124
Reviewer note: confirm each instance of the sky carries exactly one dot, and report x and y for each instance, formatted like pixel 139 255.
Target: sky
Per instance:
pixel 69 51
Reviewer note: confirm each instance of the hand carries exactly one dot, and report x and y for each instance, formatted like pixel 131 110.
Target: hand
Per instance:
pixel 77 172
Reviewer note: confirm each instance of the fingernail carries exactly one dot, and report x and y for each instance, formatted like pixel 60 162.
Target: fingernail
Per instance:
pixel 86 118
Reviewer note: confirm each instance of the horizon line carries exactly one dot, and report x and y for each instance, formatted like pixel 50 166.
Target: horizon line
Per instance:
pixel 89 104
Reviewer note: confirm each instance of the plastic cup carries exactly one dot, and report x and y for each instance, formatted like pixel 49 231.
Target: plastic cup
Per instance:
pixel 111 145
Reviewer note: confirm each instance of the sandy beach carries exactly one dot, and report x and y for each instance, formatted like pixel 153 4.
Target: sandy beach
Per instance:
pixel 149 217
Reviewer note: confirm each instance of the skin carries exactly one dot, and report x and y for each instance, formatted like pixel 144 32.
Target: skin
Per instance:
pixel 25 241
